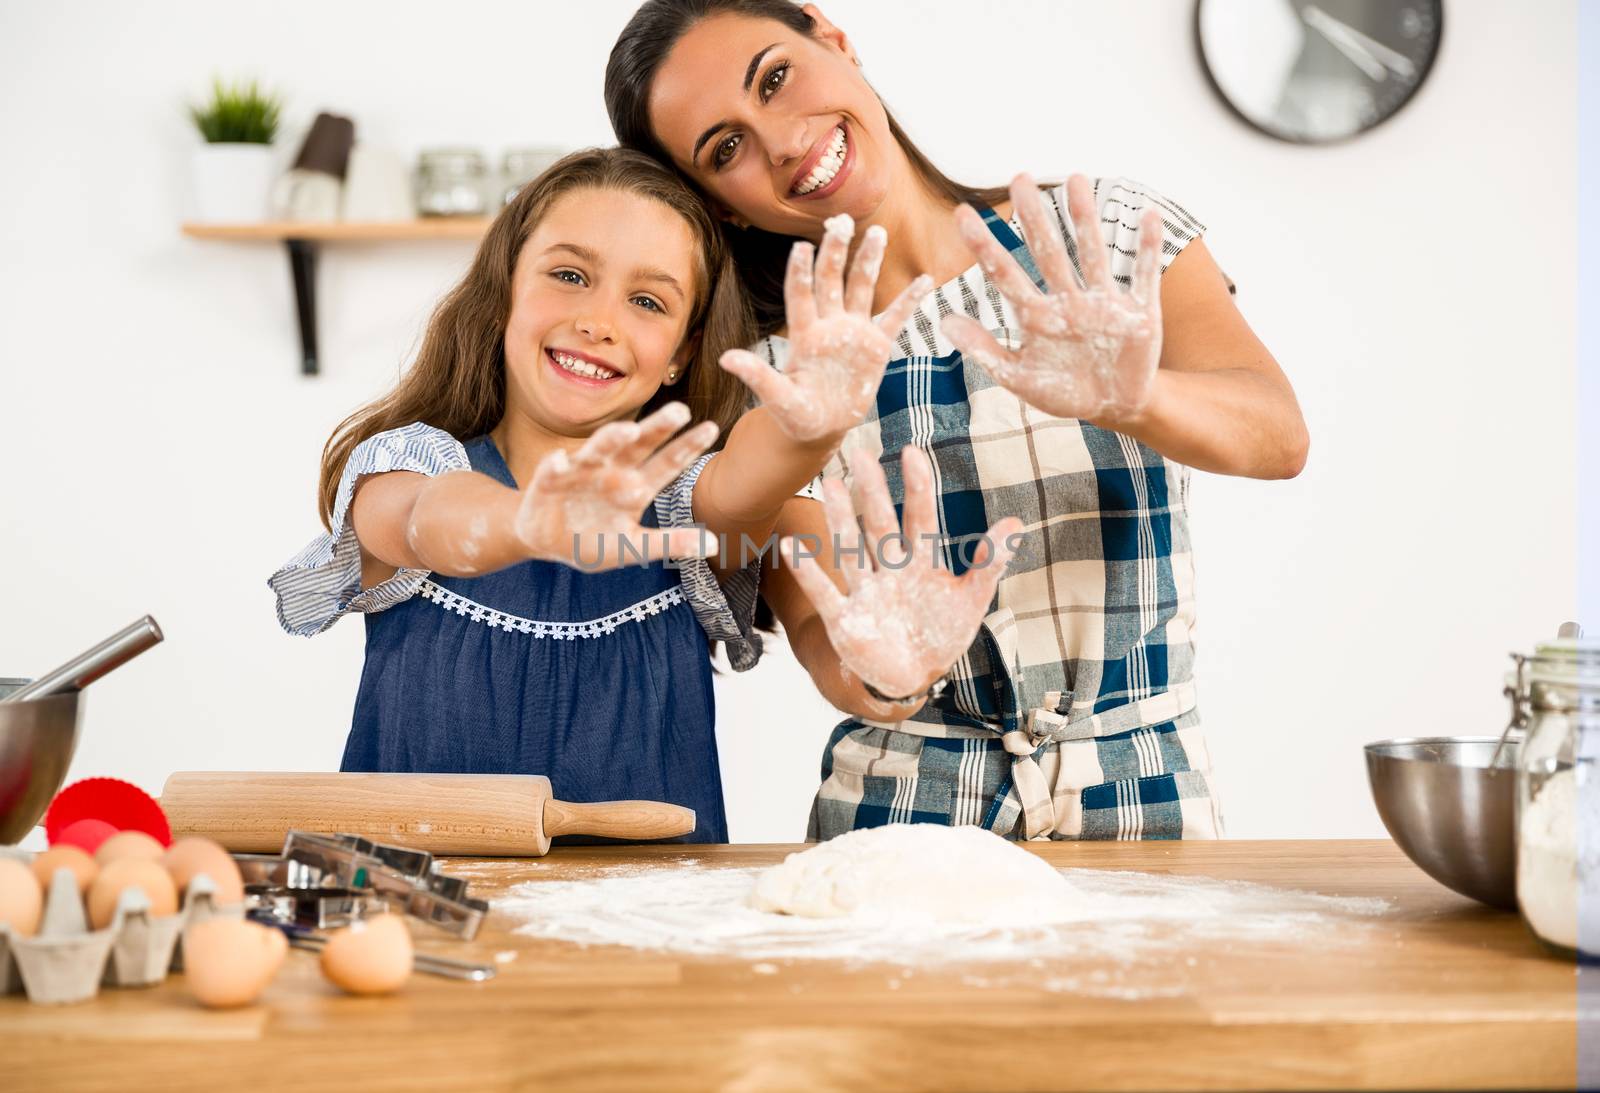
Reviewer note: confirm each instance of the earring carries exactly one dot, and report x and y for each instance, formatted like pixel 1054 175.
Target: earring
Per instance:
pixel 672 376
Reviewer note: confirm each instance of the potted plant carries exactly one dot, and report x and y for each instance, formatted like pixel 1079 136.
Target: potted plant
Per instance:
pixel 232 170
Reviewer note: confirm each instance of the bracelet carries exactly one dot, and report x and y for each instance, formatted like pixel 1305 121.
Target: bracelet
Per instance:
pixel 935 689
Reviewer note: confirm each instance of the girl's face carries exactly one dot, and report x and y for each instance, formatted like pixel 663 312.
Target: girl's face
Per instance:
pixel 600 304
pixel 779 128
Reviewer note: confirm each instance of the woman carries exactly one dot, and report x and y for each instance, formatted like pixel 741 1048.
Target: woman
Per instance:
pixel 1069 385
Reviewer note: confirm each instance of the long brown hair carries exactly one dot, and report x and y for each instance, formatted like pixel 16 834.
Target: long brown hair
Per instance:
pixel 760 256
pixel 458 381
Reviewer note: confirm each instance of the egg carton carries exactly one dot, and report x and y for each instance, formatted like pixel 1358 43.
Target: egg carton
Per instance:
pixel 66 961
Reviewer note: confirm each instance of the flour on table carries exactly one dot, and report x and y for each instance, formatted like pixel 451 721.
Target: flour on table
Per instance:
pixel 918 872
pixel 1100 932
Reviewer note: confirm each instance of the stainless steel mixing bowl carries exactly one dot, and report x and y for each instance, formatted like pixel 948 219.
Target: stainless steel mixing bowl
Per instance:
pixel 37 739
pixel 1450 812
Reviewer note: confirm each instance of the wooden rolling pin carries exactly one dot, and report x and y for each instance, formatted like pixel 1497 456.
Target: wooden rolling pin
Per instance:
pixel 508 815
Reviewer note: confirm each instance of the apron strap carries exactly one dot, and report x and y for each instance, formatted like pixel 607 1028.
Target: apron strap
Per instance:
pixel 1001 230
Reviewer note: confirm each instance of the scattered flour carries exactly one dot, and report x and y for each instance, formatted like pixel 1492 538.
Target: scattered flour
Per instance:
pixel 1076 929
pixel 1558 862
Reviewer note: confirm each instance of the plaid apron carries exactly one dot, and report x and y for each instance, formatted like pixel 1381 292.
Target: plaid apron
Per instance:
pixel 1073 714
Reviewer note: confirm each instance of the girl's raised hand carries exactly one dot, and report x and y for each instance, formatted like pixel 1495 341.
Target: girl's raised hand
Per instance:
pixel 582 509
pixel 837 351
pixel 1088 351
pixel 903 620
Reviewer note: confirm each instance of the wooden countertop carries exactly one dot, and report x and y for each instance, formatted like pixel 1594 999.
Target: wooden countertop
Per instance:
pixel 1440 993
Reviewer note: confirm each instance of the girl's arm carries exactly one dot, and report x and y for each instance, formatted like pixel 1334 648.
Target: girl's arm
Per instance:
pixel 1170 361
pixel 837 355
pixel 577 509
pixel 879 608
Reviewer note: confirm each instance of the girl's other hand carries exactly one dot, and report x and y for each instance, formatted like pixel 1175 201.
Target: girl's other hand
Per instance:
pixel 1088 351
pixel 902 619
pixel 837 351
pixel 581 509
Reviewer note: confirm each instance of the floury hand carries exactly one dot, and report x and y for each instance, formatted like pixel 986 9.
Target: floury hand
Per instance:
pixel 902 619
pixel 1088 351
pixel 582 509
pixel 837 350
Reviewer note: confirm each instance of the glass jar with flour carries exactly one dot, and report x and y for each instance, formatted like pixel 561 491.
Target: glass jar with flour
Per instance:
pixel 1558 794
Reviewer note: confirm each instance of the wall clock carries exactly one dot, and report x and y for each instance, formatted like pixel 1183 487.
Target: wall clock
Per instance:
pixel 1317 71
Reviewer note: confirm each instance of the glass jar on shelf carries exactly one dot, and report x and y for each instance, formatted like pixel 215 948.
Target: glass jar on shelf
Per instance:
pixel 452 182
pixel 521 166
pixel 1557 691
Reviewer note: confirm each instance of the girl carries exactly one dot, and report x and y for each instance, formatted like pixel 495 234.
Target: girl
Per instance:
pixel 511 447
pixel 1069 378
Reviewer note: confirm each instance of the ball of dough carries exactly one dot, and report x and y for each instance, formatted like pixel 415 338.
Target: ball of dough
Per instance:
pixel 928 872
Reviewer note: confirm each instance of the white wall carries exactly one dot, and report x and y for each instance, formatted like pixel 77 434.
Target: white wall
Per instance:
pixel 1417 284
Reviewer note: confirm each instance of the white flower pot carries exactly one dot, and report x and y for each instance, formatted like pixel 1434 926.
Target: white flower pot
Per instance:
pixel 232 182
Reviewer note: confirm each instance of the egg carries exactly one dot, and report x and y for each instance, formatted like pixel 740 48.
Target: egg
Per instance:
pixel 65 856
pixel 129 844
pixel 229 962
pixel 189 857
pixel 87 835
pixel 131 873
pixel 369 957
pixel 21 899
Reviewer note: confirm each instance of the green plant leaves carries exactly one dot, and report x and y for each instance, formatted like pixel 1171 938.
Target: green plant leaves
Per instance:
pixel 237 114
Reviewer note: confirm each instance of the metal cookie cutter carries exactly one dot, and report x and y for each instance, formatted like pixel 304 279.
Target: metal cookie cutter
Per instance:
pixel 331 880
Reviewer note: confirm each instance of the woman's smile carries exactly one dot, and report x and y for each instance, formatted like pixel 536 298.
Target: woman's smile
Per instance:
pixel 826 166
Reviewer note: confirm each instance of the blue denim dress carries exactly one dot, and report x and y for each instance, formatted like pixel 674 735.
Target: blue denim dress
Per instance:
pixel 600 681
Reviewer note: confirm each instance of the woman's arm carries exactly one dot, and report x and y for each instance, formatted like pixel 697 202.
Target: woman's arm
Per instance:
pixel 1169 361
pixel 1219 402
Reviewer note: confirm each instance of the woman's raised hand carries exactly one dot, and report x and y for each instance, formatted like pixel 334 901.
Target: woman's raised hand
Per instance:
pixel 837 351
pixel 903 619
pixel 582 509
pixel 1088 351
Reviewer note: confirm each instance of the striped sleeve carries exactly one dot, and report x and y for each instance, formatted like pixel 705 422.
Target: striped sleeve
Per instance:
pixel 322 583
pixel 726 609
pixel 1122 202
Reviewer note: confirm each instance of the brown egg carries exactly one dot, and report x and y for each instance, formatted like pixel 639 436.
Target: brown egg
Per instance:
pixel 369 957
pixel 229 962
pixel 129 844
pixel 65 856
pixel 187 858
pixel 130 873
pixel 21 900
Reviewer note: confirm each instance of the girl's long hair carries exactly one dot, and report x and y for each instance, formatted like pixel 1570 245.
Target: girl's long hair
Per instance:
pixel 458 381
pixel 761 256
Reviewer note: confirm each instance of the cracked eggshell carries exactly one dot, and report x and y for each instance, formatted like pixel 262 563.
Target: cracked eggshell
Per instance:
pixel 370 957
pixel 229 961
pixel 21 898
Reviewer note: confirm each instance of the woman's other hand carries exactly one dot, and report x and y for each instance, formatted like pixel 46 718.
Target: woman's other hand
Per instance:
pixel 902 619
pixel 1088 351
pixel 837 350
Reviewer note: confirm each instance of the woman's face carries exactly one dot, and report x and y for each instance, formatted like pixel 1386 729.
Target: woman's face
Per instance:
pixel 779 128
pixel 600 303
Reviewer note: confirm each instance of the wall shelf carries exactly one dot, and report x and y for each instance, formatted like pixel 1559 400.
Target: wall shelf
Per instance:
pixel 302 238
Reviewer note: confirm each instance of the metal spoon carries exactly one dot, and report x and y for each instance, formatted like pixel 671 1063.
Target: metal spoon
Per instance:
pixel 89 666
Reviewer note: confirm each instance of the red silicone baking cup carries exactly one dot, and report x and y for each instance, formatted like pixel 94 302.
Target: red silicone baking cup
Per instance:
pixel 121 804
